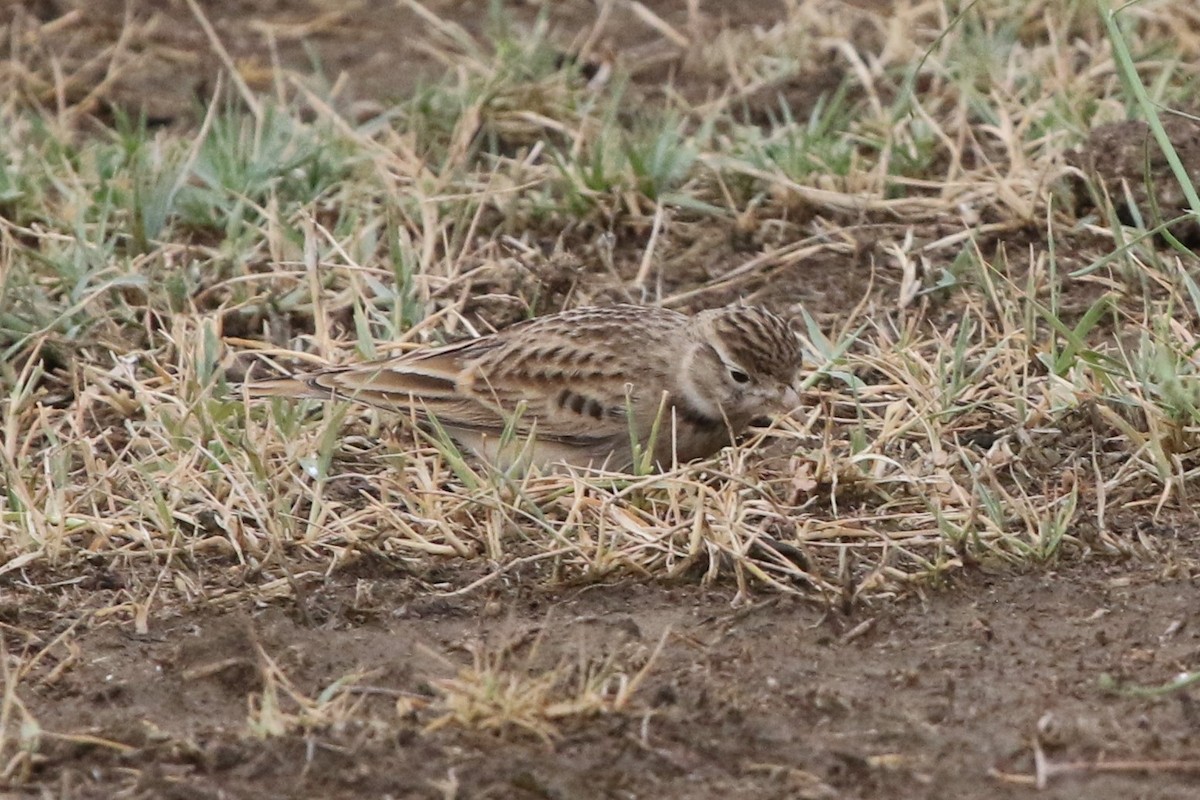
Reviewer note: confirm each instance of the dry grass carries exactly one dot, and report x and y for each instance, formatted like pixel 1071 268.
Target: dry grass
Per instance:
pixel 1017 385
pixel 501 692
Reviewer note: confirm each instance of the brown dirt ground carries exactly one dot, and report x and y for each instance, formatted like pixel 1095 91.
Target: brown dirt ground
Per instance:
pixel 947 693
pixel 940 695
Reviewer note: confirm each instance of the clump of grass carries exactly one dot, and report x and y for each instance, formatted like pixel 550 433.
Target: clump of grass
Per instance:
pixel 498 694
pixel 280 708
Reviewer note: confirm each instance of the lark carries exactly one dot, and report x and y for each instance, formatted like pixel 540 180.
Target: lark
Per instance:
pixel 589 387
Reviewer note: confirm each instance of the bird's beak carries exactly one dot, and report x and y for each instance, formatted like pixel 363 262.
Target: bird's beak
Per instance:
pixel 791 399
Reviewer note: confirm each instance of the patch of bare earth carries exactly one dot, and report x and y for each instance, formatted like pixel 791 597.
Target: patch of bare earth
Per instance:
pixel 156 59
pixel 973 690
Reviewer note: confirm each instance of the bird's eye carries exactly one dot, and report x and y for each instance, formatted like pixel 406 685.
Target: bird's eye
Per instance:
pixel 738 376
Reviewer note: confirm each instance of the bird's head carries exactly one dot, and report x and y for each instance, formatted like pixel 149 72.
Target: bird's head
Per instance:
pixel 742 363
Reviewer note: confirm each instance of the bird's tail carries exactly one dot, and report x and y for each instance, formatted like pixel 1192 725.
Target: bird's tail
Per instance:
pixel 288 387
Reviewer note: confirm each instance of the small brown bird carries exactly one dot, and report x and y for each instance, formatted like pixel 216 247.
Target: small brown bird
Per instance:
pixel 579 387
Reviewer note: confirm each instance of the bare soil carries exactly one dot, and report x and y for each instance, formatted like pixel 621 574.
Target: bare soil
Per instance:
pixel 965 690
pixel 945 694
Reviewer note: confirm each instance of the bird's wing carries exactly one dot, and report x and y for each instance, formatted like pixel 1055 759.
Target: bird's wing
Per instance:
pixel 565 376
pixel 543 376
pixel 480 385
